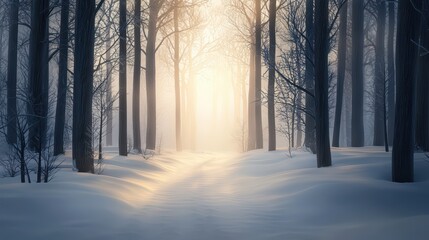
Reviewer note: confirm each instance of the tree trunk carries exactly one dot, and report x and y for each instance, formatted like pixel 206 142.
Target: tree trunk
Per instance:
pixel 123 149
pixel 137 73
pixel 380 74
pixel 151 75
pixel 177 77
pixel 258 76
pixel 38 75
pixel 60 113
pixel 12 61
pixel 251 133
pixel 109 113
pixel 309 141
pixel 271 78
pixel 391 73
pixel 406 59
pixel 358 139
pixel 83 85
pixel 341 71
pixel 422 97
pixel 321 84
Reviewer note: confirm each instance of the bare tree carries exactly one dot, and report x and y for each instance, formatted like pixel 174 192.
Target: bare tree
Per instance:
pixel 136 76
pixel 271 77
pixel 357 73
pixel 391 71
pixel 12 71
pixel 406 59
pixel 62 79
pixel 422 103
pixel 123 78
pixel 83 85
pixel 341 70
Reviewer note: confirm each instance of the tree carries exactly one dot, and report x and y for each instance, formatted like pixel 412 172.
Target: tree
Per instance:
pixel 406 59
pixel 83 85
pixel 422 97
pixel 357 73
pixel 391 72
pixel 258 74
pixel 62 79
pixel 123 150
pixel 136 76
pixel 321 46
pixel 38 74
pixel 309 78
pixel 380 74
pixel 154 7
pixel 271 77
pixel 341 71
pixel 177 76
pixel 12 72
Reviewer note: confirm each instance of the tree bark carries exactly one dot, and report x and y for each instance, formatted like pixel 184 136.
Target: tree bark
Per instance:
pixel 251 133
pixel 422 97
pixel 271 78
pixel 177 77
pixel 309 141
pixel 123 150
pixel 258 76
pixel 12 61
pixel 321 84
pixel 341 71
pixel 391 73
pixel 406 60
pixel 380 74
pixel 38 75
pixel 136 77
pixel 358 139
pixel 83 85
pixel 151 75
pixel 60 113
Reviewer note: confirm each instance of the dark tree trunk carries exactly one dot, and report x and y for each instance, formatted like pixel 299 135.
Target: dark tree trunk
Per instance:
pixel 422 97
pixel 38 75
pixel 251 133
pixel 137 74
pixel 380 74
pixel 177 77
pixel 310 125
pixel 123 150
pixel 83 85
pixel 358 139
pixel 60 112
pixel 406 60
pixel 341 71
pixel 391 73
pixel 271 78
pixel 12 61
pixel 258 75
pixel 321 84
pixel 109 113
pixel 151 75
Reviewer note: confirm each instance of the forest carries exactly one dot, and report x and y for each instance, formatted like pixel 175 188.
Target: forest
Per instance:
pixel 208 119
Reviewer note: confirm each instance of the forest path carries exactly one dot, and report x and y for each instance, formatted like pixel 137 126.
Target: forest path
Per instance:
pixel 204 200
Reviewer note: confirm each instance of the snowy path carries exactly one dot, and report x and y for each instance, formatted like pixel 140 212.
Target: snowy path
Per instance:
pixel 202 202
pixel 195 196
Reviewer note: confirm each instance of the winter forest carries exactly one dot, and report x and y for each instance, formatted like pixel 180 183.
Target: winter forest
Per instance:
pixel 214 119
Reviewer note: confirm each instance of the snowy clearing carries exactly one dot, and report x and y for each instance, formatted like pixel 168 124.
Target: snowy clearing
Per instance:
pixel 256 195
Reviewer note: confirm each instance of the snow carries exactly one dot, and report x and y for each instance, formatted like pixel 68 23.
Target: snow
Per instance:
pixel 256 195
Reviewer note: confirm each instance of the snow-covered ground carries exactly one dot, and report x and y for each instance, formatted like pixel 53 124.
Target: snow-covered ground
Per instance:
pixel 257 195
